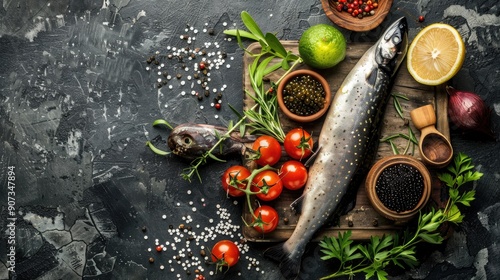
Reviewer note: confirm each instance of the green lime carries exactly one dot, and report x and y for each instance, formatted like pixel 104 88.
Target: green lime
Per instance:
pixel 322 46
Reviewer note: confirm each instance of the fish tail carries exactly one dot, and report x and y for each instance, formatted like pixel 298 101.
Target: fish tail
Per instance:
pixel 289 266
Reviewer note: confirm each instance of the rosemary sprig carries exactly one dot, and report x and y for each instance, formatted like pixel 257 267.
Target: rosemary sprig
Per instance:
pixel 372 258
pixel 263 116
pixel 410 136
pixel 272 56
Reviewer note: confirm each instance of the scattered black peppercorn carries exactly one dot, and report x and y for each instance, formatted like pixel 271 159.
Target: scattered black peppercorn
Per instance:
pixel 286 221
pixel 350 223
pixel 178 76
pixel 211 31
pixel 144 229
pixel 151 260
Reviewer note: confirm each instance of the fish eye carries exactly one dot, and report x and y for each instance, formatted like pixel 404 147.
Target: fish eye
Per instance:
pixel 396 39
pixel 187 140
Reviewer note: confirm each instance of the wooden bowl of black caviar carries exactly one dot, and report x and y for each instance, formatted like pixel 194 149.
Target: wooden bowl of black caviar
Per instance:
pixel 304 95
pixel 398 187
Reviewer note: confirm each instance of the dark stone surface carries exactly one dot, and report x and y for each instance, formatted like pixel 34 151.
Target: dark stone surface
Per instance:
pixel 77 106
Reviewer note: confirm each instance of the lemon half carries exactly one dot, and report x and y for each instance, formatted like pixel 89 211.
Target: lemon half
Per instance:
pixel 436 54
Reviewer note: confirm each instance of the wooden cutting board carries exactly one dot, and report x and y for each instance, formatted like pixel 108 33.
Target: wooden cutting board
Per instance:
pixel 362 220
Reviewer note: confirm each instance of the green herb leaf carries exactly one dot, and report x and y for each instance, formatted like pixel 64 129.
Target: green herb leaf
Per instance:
pixel 162 122
pixel 382 275
pixel 397 106
pixel 454 215
pixel 430 227
pixel 259 72
pixel 272 68
pixel 433 238
pixel 276 45
pixel 467 197
pixel 394 148
pixel 251 25
pixel 447 178
pixel 212 156
pixel 373 257
pixel 156 150
pixel 454 194
pixel 284 64
pixel 240 33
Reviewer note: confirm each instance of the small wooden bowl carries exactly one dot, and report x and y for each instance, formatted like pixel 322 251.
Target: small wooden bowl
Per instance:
pixel 316 76
pixel 347 21
pixel 435 149
pixel 371 183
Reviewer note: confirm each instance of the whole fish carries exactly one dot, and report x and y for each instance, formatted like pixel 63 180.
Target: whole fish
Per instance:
pixel 192 140
pixel 349 139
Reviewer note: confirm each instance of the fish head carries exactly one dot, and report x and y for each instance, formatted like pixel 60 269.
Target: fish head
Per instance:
pixel 191 140
pixel 392 46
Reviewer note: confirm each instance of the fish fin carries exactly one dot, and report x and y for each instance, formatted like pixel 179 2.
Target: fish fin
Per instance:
pixel 289 267
pixel 348 206
pixel 296 205
pixel 371 78
pixel 312 157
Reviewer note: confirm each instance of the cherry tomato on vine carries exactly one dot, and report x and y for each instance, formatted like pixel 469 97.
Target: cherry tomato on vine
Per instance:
pixel 225 254
pixel 233 180
pixel 293 174
pixel 267 219
pixel 268 150
pixel 269 183
pixel 298 143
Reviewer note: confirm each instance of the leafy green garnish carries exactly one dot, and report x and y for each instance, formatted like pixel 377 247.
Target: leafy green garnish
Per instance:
pixel 412 141
pixel 264 118
pixel 372 258
pixel 261 118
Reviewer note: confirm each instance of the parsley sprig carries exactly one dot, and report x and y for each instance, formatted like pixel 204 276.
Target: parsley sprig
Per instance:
pixel 372 258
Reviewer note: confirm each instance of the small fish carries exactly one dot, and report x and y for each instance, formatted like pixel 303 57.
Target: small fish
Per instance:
pixel 348 140
pixel 192 140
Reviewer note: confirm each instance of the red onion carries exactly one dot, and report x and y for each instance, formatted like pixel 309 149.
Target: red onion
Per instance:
pixel 469 112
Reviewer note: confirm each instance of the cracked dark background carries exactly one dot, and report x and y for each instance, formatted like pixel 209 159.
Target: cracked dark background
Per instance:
pixel 77 106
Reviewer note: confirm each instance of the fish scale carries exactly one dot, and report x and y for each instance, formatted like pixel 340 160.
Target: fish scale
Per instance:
pixel 348 142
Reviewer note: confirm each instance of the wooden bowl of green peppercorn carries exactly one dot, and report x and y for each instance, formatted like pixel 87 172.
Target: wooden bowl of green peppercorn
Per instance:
pixel 398 187
pixel 304 95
